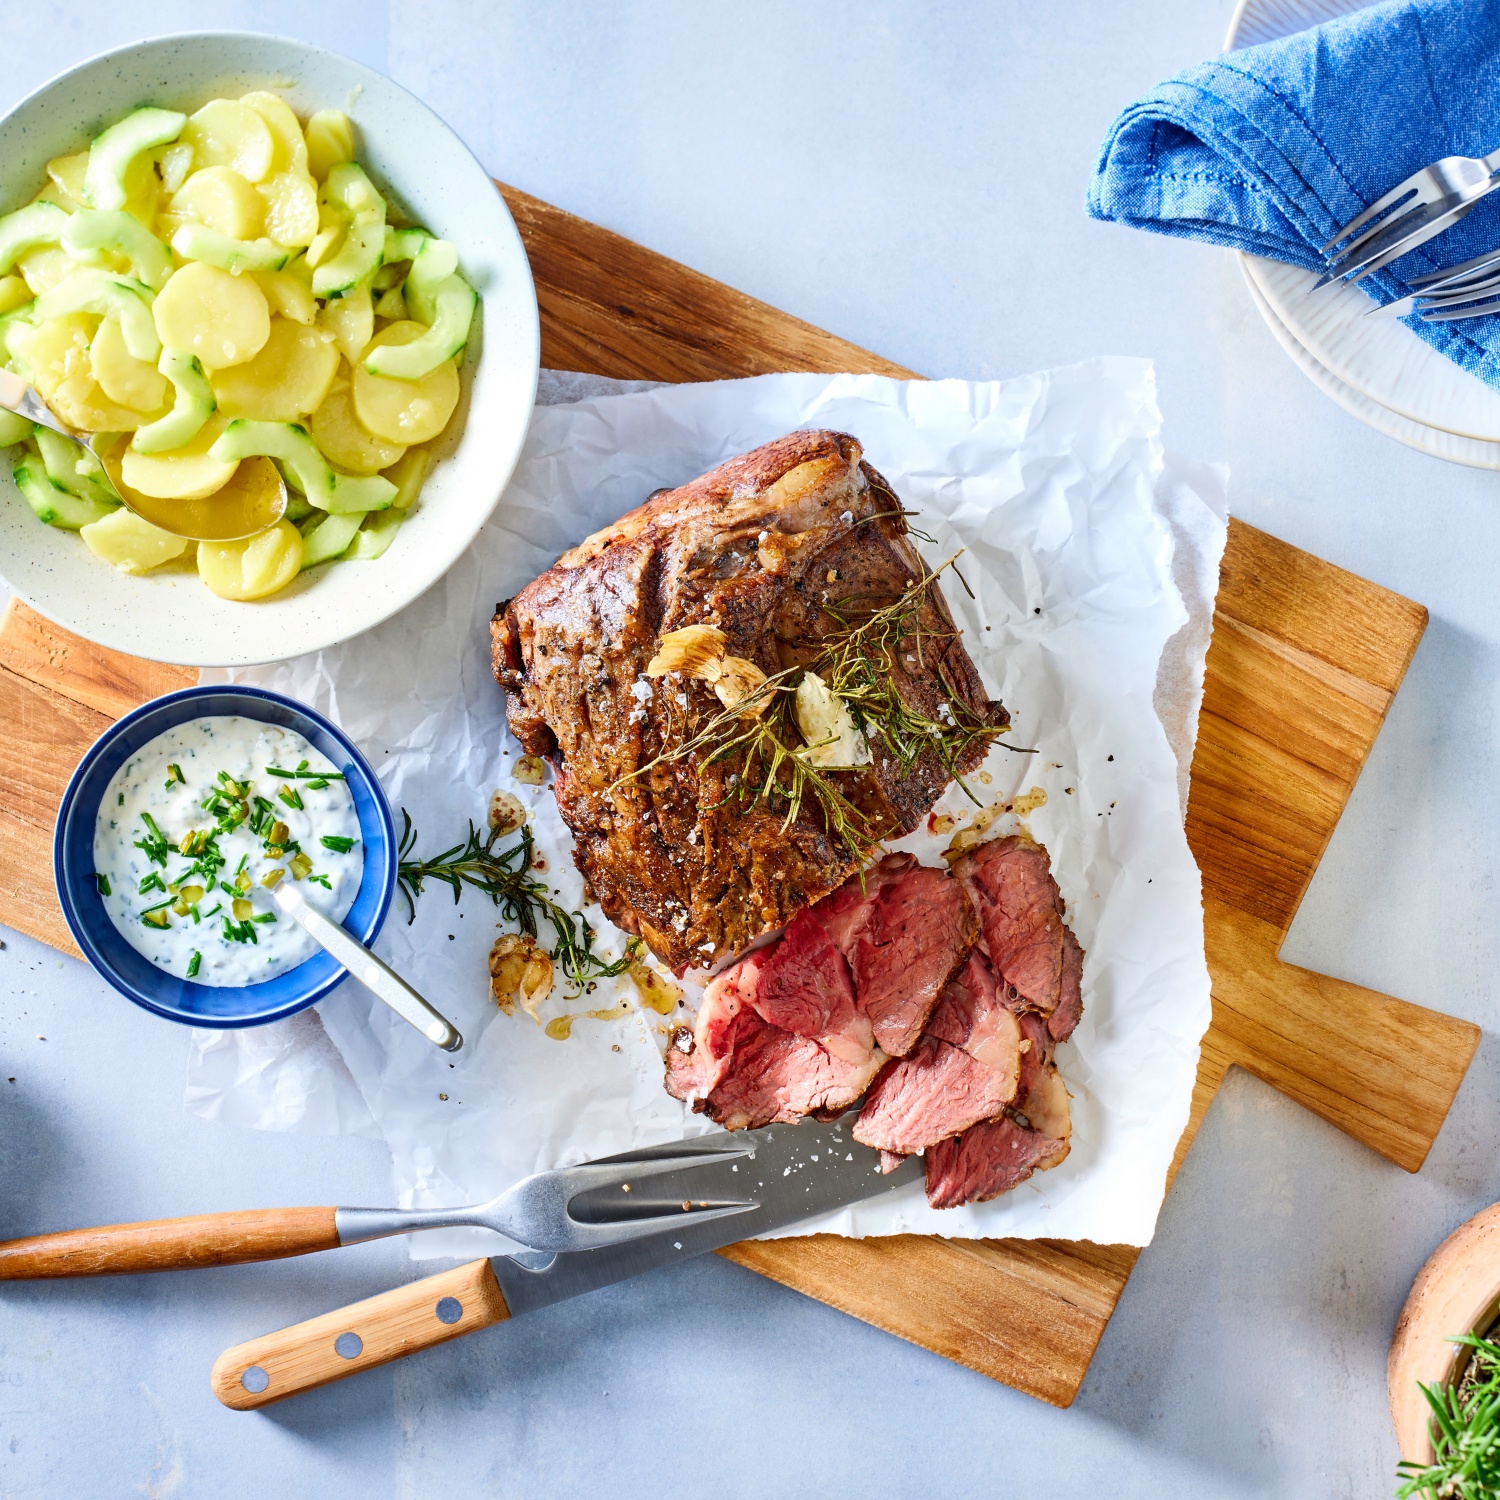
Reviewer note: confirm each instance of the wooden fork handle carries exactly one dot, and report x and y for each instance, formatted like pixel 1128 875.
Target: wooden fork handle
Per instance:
pixel 374 1332
pixel 171 1244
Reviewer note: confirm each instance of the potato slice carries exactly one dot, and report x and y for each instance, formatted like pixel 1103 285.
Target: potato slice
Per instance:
pixel 220 198
pixel 56 351
pixel 344 440
pixel 226 133
pixel 284 382
pixel 330 140
pixel 405 411
pixel 81 404
pixel 131 544
pixel 286 131
pixel 289 294
pixel 254 568
pixel 291 205
pixel 46 267
pixel 66 174
pixel 185 473
pixel 223 319
pixel 121 376
pixel 13 293
pixel 352 322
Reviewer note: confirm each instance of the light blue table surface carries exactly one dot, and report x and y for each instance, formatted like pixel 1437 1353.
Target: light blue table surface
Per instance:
pixel 910 176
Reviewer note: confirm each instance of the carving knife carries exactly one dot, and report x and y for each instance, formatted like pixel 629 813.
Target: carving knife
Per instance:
pixel 795 1172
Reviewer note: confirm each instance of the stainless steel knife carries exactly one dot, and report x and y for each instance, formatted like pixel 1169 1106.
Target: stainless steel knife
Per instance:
pixel 794 1172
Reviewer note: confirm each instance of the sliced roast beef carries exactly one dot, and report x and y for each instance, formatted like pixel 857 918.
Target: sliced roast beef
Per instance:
pixel 965 1069
pixel 986 1160
pixel 803 985
pixel 1029 945
pixel 918 935
pixel 996 1155
pixel 743 1071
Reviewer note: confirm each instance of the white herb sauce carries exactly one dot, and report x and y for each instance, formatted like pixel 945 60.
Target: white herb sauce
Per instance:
pixel 244 833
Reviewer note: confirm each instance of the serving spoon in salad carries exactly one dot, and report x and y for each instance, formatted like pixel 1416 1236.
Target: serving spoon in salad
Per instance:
pixel 255 497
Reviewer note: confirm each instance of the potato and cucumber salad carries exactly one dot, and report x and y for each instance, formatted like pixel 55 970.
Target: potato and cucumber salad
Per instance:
pixel 220 286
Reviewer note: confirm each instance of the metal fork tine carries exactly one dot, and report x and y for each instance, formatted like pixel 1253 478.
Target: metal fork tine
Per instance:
pixel 587 1175
pixel 617 1231
pixel 1451 314
pixel 1392 232
pixel 1439 297
pixel 1381 258
pixel 1434 280
pixel 1398 194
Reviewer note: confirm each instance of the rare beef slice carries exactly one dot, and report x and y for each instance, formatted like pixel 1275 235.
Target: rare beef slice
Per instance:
pixel 765 548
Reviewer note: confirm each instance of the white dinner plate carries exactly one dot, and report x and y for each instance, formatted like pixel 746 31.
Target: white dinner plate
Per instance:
pixel 168 615
pixel 1474 452
pixel 1378 358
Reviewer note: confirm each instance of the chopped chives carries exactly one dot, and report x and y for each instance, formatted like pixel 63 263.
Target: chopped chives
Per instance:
pixel 102 882
pixel 337 842
pixel 151 883
pixel 174 775
pixel 146 911
pixel 265 916
pixel 303 774
pixel 215 912
pixel 321 880
pixel 287 795
pixel 194 959
pixel 239 869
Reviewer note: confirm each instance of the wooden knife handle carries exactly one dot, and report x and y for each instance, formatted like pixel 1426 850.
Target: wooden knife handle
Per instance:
pixel 322 1350
pixel 171 1244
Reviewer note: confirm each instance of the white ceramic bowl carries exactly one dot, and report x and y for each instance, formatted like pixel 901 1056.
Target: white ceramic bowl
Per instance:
pixel 411 154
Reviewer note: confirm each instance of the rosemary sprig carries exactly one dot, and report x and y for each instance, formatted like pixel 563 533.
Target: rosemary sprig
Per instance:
pixel 859 663
pixel 1465 1433
pixel 504 875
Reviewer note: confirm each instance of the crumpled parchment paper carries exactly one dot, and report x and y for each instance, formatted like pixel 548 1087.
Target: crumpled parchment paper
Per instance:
pixel 1093 558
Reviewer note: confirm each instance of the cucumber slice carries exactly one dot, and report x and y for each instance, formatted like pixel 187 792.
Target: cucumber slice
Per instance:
pixel 73 469
pixel 198 242
pixel 449 332
pixel 436 261
pixel 359 256
pixel 14 428
pixel 404 244
pixel 291 444
pixel 193 405
pixel 51 503
pixel 30 228
pixel 348 186
pixel 110 296
pixel 92 231
pixel 375 536
pixel 329 538
pixel 111 154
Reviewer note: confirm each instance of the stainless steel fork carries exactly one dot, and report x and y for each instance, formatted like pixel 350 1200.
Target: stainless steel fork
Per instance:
pixel 1413 212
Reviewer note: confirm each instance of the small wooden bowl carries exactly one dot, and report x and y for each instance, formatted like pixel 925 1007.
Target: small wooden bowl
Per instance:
pixel 1456 1292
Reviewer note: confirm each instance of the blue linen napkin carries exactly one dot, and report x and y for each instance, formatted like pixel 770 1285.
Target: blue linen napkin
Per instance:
pixel 1271 149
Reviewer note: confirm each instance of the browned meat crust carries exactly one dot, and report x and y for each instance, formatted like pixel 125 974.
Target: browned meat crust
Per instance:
pixel 759 547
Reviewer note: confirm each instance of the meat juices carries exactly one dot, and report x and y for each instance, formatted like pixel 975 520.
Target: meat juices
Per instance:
pixel 791 1029
pixel 763 548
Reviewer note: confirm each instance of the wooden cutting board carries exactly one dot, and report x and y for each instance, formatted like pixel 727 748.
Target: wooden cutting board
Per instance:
pixel 1304 663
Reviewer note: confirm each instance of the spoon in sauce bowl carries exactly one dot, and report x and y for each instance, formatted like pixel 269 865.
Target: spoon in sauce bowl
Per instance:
pixel 373 973
pixel 254 499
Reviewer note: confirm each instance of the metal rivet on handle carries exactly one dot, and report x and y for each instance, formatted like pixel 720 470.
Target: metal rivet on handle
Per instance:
pixel 348 1345
pixel 255 1380
pixel 449 1310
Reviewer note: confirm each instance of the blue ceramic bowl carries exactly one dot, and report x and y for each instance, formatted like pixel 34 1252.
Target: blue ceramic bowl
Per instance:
pixel 135 976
